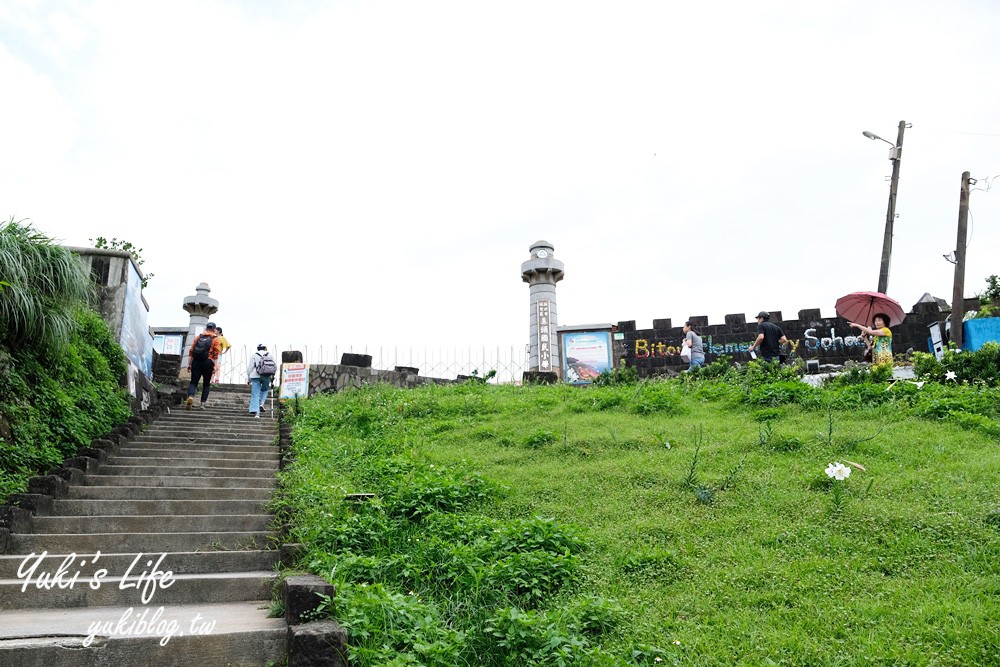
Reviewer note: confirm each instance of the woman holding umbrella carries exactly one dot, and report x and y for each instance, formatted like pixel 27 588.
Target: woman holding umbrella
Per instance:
pixel 879 331
pixel 883 311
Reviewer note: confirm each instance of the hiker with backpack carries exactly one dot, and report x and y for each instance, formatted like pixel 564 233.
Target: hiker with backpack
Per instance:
pixel 260 373
pixel 203 355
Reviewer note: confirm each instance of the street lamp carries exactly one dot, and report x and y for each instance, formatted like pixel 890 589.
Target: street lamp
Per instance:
pixel 872 135
pixel 895 156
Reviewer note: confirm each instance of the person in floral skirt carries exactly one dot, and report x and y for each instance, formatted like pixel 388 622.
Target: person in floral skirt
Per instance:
pixel 882 337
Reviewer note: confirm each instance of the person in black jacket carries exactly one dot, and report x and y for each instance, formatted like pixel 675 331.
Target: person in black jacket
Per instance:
pixel 770 338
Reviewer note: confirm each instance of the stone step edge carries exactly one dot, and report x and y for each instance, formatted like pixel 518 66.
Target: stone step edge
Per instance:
pixel 72 622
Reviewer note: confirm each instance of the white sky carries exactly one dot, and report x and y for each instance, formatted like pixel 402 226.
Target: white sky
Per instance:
pixel 372 173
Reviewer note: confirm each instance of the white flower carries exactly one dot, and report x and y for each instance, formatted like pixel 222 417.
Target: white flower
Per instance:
pixel 838 471
pixel 950 375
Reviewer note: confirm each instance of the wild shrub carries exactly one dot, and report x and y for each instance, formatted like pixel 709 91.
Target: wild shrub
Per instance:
pixel 54 403
pixel 540 438
pixel 658 398
pixel 854 375
pixel 430 491
pixel 858 396
pixel 651 563
pixel 557 638
pixel 390 628
pixel 715 370
pixel 775 394
pixel 976 422
pixel 608 399
pixel 715 391
pixel 760 372
pixel 532 577
pixel 626 375
pixel 536 534
pixel 363 530
pixel 981 366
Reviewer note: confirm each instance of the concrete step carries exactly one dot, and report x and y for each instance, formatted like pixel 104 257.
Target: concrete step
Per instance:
pixel 182 449
pixel 179 562
pixel 185 480
pixel 79 508
pixel 175 470
pixel 115 590
pixel 240 410
pixel 232 452
pixel 201 479
pixel 265 434
pixel 190 523
pixel 214 423
pixel 235 415
pixel 145 542
pixel 118 492
pixel 194 460
pixel 262 430
pixel 231 634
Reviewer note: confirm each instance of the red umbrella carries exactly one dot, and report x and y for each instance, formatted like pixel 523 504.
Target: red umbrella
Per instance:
pixel 860 307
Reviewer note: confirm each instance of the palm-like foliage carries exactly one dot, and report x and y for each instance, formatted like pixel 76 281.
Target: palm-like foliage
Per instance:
pixel 45 283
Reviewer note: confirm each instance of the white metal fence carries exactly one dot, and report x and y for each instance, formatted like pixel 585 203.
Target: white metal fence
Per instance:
pixel 508 363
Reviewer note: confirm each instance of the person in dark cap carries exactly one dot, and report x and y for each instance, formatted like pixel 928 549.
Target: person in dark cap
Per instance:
pixel 770 338
pixel 260 371
pixel 203 355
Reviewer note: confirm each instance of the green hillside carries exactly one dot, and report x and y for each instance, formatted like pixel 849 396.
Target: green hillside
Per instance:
pixel 687 522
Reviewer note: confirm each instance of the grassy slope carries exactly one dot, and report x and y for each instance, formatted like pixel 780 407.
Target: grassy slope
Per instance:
pixel 906 573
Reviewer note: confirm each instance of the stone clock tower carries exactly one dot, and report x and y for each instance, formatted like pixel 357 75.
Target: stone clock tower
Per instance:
pixel 542 272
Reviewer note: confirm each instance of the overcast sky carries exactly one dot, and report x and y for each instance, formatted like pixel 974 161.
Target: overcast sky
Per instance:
pixel 373 173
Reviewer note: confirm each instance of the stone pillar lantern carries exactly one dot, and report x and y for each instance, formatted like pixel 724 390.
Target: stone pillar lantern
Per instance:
pixel 542 272
pixel 201 307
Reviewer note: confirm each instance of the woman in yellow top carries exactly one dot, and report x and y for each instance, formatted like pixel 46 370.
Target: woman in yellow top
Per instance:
pixel 223 348
pixel 879 331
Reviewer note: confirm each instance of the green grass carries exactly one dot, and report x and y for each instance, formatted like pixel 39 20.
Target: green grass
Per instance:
pixel 644 552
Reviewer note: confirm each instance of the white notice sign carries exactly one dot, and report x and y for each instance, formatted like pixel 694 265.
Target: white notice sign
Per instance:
pixel 294 381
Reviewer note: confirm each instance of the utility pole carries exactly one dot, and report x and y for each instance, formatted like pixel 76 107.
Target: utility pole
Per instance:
pixel 896 155
pixel 958 294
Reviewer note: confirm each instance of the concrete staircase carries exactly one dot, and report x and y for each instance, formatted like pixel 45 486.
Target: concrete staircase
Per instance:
pixel 187 497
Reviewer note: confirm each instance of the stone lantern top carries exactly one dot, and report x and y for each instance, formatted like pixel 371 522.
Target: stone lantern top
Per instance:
pixel 200 304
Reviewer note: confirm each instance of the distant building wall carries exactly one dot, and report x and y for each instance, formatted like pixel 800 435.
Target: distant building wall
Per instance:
pixel 122 305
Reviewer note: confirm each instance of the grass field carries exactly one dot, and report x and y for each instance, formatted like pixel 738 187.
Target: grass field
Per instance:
pixel 680 522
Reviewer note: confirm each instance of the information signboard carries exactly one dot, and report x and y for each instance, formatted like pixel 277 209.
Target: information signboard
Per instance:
pixel 585 355
pixel 294 381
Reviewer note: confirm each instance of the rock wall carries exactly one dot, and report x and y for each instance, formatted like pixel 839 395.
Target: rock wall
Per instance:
pixel 337 377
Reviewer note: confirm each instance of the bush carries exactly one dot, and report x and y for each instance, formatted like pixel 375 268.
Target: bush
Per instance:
pixel 981 366
pixel 54 404
pixel 624 375
pixel 658 398
pixel 779 393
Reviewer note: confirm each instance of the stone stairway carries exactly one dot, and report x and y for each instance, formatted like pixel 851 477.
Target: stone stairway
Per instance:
pixel 185 568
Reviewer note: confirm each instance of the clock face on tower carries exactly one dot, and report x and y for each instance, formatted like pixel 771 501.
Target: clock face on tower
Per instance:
pixel 542 254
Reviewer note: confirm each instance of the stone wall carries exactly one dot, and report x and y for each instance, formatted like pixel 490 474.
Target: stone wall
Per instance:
pixel 336 377
pixel 829 340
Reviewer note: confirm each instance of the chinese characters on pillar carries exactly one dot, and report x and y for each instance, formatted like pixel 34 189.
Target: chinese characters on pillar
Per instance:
pixel 544 352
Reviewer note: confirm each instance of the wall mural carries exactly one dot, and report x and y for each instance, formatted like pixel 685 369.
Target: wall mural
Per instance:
pixel 645 348
pixel 830 340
